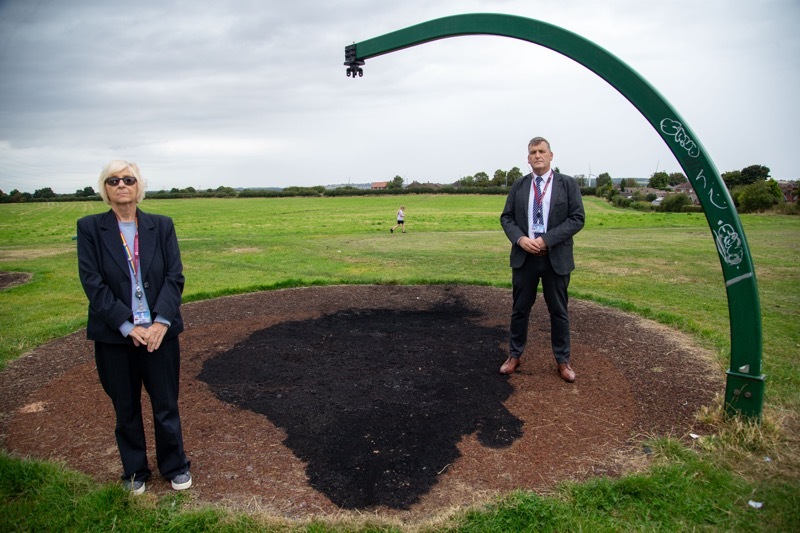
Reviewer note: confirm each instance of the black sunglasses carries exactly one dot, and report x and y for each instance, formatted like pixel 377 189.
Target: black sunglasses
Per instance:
pixel 127 180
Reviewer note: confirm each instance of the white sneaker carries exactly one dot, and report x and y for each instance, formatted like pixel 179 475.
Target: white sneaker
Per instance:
pixel 135 487
pixel 182 481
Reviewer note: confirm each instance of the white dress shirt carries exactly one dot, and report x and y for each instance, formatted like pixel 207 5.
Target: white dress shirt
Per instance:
pixel 546 191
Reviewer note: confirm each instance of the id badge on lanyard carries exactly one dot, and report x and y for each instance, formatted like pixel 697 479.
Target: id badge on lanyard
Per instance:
pixel 141 315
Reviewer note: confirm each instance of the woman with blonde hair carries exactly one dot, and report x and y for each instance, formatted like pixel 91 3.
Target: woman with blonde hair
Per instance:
pixel 131 271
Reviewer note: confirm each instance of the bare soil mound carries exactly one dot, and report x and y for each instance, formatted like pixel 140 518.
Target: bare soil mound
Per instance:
pixel 12 279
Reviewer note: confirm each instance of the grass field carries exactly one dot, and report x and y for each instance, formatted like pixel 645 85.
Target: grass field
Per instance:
pixel 663 266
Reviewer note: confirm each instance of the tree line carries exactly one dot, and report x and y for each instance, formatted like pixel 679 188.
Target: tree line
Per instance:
pixel 751 188
pixel 46 194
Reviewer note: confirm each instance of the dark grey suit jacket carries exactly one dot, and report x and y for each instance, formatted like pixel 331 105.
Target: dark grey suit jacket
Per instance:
pixel 566 218
pixel 106 279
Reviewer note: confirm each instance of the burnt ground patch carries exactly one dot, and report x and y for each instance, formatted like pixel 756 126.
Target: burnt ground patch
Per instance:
pixel 530 431
pixel 374 401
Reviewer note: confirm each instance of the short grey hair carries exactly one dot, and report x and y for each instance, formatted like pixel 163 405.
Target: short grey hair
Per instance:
pixel 116 166
pixel 539 140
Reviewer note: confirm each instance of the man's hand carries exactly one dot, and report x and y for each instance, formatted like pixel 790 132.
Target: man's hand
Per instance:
pixel 532 246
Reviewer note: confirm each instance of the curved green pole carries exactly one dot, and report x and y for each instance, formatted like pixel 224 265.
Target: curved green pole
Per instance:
pixel 745 384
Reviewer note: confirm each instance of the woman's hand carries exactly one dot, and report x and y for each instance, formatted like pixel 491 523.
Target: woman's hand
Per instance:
pixel 150 337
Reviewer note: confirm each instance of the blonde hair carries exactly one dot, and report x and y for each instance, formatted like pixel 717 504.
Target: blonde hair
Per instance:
pixel 113 168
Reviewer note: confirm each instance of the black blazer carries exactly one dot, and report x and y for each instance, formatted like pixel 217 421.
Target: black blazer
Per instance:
pixel 566 218
pixel 106 279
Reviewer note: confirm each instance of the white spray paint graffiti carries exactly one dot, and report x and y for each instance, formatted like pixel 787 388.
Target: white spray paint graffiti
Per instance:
pixel 711 199
pixel 729 244
pixel 710 192
pixel 674 129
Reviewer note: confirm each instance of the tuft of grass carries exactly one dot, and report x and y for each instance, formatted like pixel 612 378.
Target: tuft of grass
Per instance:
pixel 752 449
pixel 41 496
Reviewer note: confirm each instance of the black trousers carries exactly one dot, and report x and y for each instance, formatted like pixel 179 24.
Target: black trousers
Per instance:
pixel 525 283
pixel 123 369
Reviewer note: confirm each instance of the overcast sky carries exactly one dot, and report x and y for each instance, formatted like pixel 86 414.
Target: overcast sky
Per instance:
pixel 254 93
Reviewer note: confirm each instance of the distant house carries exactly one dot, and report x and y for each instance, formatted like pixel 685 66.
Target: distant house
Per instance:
pixel 688 190
pixel 427 185
pixel 379 185
pixel 643 192
pixel 789 190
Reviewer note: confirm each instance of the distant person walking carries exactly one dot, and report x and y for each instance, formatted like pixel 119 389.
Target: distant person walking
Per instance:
pixel 131 271
pixel 401 219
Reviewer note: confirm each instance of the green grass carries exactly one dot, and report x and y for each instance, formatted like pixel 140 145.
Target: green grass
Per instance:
pixel 662 266
pixel 41 496
pixel 697 496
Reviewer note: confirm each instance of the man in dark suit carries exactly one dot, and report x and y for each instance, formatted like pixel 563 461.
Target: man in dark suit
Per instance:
pixel 543 211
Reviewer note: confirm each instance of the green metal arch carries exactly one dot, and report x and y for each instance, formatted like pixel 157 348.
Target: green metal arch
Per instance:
pixel 745 383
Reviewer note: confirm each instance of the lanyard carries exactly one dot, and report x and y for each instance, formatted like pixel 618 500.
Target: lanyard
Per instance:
pixel 536 191
pixel 133 259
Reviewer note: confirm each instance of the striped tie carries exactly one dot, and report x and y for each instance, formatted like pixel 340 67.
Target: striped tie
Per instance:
pixel 538 215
